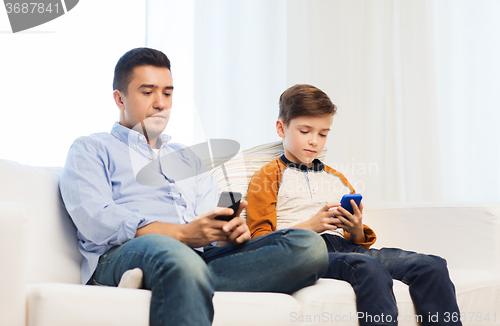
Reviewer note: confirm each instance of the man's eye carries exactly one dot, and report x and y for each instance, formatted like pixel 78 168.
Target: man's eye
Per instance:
pixel 322 135
pixel 167 94
pixel 304 132
pixel 146 93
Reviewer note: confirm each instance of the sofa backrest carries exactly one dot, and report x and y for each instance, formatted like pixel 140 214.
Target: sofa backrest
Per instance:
pixel 52 245
pixel 467 235
pixel 240 169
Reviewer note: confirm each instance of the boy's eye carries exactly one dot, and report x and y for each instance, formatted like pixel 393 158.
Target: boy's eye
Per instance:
pixel 304 132
pixel 146 93
pixel 322 135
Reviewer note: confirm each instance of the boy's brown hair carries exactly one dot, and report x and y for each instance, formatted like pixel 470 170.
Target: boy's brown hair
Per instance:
pixel 304 100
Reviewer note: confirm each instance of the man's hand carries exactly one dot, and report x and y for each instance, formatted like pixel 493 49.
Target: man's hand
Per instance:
pixel 237 227
pixel 352 223
pixel 205 229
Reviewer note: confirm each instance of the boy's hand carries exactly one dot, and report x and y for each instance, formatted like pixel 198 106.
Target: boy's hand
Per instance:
pixel 321 221
pixel 352 223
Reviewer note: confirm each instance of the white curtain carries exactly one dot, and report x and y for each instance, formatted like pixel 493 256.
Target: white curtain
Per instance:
pixel 414 81
pixel 56 78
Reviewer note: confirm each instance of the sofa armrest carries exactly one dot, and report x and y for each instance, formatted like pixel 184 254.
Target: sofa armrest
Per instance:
pixel 12 274
pixel 466 235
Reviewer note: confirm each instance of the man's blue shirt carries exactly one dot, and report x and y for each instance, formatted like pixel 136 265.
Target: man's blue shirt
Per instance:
pixel 113 183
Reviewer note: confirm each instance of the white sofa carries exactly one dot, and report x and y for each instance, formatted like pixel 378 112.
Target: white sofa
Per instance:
pixel 40 270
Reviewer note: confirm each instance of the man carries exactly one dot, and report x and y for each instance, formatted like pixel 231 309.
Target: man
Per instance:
pixel 165 224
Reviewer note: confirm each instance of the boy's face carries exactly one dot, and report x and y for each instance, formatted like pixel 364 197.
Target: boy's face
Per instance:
pixel 148 101
pixel 304 137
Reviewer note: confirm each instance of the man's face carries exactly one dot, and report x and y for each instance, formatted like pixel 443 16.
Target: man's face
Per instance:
pixel 305 137
pixel 146 107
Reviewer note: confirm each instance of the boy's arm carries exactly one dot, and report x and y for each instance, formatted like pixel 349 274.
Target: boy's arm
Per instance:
pixel 361 235
pixel 370 237
pixel 262 196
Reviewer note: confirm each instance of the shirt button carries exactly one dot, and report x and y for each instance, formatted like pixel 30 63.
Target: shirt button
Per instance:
pixel 141 137
pixel 151 156
pixel 135 147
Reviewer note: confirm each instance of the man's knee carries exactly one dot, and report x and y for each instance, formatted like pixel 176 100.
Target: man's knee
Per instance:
pixel 169 258
pixel 307 246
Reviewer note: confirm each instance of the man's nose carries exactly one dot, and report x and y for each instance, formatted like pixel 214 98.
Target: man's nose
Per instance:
pixel 159 102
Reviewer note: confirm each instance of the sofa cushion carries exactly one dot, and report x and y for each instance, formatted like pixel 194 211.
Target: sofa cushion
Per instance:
pixel 79 305
pixel 57 304
pixel 51 245
pixel 478 295
pixel 333 302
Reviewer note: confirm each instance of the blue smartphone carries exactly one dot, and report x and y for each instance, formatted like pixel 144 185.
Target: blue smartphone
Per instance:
pixel 345 202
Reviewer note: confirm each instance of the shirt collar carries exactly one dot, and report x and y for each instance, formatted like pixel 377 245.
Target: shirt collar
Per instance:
pixel 317 165
pixel 132 137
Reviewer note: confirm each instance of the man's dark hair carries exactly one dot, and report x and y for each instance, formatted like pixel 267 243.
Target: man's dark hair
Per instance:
pixel 135 58
pixel 304 100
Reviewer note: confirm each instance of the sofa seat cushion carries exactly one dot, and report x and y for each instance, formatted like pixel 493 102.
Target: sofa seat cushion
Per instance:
pixel 332 302
pixel 251 309
pixel 478 296
pixel 57 304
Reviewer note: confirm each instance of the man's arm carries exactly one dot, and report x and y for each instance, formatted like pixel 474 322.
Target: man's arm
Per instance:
pixel 204 230
pixel 86 189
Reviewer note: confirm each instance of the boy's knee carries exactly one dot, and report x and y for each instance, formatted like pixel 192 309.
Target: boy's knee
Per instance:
pixel 368 267
pixel 435 265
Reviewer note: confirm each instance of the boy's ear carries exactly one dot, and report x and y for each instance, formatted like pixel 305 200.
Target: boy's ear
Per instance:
pixel 118 97
pixel 280 128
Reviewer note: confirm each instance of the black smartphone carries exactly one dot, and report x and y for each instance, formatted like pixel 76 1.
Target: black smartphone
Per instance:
pixel 229 199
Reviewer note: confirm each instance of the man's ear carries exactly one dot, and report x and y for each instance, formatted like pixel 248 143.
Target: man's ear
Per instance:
pixel 118 97
pixel 280 128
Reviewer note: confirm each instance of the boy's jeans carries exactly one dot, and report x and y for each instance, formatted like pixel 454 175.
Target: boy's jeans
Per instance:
pixel 370 272
pixel 183 280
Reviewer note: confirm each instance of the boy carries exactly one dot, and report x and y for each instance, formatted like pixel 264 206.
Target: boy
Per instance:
pixel 298 191
pixel 161 228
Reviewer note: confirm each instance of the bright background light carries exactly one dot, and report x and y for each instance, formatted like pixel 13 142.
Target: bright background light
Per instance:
pixel 56 78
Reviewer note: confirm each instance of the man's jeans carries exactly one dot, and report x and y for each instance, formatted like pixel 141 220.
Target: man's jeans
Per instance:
pixel 183 280
pixel 370 272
